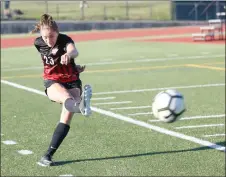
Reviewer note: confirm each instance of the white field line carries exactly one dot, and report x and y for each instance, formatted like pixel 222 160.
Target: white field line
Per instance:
pixel 159 129
pixel 134 107
pixel 133 121
pixel 214 135
pixel 4 67
pixel 140 113
pixel 153 60
pixel 159 89
pixel 172 55
pixel 107 103
pixel 40 164
pixel 204 53
pixel 127 61
pixel 195 117
pixel 107 59
pixel 203 117
pixel 200 126
pixel 25 152
pixel 25 68
pixel 103 98
pixel 9 142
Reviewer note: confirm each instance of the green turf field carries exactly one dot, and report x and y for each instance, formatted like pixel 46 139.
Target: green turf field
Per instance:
pixel 111 143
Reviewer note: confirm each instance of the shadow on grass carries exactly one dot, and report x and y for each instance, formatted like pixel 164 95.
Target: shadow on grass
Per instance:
pixel 59 163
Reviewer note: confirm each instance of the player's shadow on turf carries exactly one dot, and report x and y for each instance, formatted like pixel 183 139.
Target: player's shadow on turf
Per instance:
pixel 137 155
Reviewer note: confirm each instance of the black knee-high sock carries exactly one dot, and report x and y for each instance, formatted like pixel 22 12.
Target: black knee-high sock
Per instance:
pixel 59 134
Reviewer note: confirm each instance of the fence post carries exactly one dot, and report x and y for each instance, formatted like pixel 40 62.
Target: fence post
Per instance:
pixel 196 12
pixel 2 9
pixel 150 12
pixel 171 10
pixel 105 13
pixel 217 9
pixel 82 12
pixel 174 10
pixel 57 11
pixel 47 8
pixel 127 9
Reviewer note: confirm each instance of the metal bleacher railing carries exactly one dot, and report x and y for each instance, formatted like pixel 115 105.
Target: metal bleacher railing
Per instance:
pixel 214 30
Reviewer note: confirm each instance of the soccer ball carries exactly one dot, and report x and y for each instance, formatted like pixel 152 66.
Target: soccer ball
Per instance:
pixel 168 105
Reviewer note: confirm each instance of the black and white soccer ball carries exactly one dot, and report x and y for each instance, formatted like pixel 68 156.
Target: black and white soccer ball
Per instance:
pixel 168 105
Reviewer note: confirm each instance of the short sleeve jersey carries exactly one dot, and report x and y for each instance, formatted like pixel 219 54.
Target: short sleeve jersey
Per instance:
pixel 51 56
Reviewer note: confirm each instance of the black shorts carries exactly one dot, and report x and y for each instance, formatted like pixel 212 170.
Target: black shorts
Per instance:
pixel 67 85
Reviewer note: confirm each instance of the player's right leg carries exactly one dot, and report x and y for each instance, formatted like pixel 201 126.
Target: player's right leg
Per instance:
pixel 82 96
pixel 58 93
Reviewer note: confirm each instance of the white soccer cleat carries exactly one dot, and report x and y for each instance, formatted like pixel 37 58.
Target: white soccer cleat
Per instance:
pixel 85 101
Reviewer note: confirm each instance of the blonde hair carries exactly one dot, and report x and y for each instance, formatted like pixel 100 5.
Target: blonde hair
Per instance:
pixel 46 20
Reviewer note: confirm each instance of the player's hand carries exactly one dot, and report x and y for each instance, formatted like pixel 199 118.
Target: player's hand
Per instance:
pixel 80 68
pixel 65 59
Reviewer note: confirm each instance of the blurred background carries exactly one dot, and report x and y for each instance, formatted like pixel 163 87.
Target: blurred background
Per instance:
pixel 113 10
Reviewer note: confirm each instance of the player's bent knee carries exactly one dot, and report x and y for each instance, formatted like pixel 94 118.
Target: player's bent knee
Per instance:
pixel 71 105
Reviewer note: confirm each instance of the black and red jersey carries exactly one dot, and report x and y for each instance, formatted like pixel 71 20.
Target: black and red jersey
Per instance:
pixel 51 56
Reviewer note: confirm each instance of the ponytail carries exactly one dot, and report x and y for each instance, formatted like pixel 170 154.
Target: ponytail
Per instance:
pixel 46 20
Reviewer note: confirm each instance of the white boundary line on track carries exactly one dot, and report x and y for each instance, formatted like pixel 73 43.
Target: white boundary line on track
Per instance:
pixel 133 121
pixel 125 62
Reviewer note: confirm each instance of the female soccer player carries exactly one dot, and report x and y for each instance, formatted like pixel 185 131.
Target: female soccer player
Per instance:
pixel 61 79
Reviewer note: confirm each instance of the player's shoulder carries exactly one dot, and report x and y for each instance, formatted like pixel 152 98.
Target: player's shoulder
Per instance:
pixel 64 37
pixel 39 41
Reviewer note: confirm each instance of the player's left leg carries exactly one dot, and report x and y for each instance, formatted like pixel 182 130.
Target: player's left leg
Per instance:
pixel 63 126
pixel 61 130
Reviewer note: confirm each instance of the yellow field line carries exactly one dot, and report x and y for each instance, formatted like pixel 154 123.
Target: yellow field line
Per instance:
pixel 206 67
pixel 104 70
pixel 130 69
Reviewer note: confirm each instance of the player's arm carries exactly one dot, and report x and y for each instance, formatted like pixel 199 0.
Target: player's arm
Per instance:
pixel 71 53
pixel 71 50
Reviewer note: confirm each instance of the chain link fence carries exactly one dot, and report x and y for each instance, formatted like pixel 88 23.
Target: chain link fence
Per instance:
pixel 90 10
pixel 159 10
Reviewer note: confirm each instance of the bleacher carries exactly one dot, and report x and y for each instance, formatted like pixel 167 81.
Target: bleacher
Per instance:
pixel 213 31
